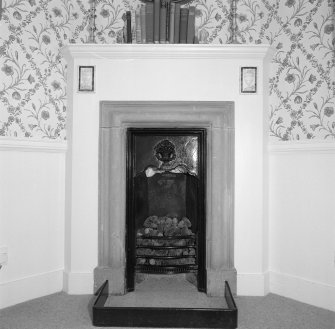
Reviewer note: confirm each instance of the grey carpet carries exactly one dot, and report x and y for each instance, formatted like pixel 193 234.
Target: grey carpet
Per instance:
pixel 62 311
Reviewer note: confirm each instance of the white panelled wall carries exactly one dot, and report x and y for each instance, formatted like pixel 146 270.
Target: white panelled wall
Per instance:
pixel 32 177
pixel 301 220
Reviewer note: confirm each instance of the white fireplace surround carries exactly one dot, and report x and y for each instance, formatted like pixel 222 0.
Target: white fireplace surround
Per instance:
pixel 163 75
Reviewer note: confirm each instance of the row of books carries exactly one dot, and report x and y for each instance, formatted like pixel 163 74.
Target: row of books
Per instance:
pixel 160 21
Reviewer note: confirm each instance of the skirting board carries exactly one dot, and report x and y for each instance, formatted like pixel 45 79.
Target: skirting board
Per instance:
pixel 314 293
pixel 77 283
pixel 21 290
pixel 252 284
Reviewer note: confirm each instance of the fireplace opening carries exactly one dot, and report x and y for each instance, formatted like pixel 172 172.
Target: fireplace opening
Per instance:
pixel 165 226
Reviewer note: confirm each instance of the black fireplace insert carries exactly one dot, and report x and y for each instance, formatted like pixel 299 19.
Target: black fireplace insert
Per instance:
pixel 166 220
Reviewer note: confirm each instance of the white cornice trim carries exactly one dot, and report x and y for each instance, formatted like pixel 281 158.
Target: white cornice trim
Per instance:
pixel 302 146
pixel 32 145
pixel 166 51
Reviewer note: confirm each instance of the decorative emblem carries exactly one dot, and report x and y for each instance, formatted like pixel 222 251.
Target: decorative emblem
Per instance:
pixel 165 151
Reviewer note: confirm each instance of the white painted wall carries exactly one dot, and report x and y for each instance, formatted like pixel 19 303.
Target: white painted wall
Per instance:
pixel 302 222
pixel 31 219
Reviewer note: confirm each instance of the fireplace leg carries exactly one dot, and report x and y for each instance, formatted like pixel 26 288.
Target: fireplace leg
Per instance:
pixel 115 277
pixel 216 281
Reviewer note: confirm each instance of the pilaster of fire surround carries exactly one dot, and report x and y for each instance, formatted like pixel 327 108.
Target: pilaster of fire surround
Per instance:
pixel 112 180
pixel 218 119
pixel 221 238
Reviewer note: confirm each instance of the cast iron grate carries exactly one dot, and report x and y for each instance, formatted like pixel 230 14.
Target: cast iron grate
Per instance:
pixel 166 254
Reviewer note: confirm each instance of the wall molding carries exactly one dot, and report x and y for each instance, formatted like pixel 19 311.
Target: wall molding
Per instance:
pixel 303 290
pixel 30 287
pixel 321 146
pixel 32 145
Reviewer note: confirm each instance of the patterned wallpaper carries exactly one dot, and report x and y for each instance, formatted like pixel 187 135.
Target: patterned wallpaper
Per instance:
pixel 33 73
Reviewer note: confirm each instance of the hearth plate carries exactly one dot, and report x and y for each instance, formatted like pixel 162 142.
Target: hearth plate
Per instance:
pixel 151 306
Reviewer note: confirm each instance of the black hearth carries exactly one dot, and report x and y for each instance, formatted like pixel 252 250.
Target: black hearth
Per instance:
pixel 166 220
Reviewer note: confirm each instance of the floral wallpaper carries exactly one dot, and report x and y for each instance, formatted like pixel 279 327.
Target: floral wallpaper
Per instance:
pixel 33 73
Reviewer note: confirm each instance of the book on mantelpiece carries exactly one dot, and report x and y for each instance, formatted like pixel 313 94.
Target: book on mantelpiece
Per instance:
pixel 133 26
pixel 157 10
pixel 171 24
pixel 191 25
pixel 149 22
pixel 183 25
pixel 138 24
pixel 176 23
pixel 162 21
pixel 167 25
pixel 129 30
pixel 143 25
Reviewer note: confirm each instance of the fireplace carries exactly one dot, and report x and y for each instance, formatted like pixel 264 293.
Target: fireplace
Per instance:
pixel 166 221
pixel 167 87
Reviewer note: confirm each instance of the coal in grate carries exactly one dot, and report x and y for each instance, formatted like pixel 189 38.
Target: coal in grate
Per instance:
pixel 166 245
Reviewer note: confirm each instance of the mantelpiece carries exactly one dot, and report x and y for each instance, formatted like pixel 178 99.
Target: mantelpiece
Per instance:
pixel 166 51
pixel 167 73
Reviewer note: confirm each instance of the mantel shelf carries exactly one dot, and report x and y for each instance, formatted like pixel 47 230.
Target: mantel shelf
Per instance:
pixel 167 51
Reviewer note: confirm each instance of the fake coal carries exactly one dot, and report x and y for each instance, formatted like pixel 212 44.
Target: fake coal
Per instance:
pixel 166 241
pixel 165 226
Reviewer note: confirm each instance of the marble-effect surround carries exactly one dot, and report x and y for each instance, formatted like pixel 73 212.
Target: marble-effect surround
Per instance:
pixel 218 120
